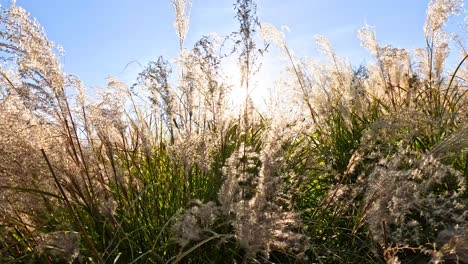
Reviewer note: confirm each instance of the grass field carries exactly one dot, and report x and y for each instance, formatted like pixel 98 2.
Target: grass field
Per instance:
pixel 360 164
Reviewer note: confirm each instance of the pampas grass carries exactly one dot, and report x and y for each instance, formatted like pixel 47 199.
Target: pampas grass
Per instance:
pixel 364 164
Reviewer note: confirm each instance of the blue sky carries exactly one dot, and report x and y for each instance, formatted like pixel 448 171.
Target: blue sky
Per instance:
pixel 101 37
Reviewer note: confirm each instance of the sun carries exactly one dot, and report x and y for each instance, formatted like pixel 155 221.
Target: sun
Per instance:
pixel 259 91
pixel 236 98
